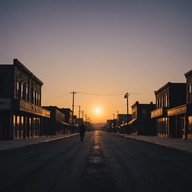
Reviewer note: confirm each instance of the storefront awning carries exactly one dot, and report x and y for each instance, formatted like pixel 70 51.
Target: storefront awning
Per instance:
pixel 132 121
pixel 27 107
pixel 182 109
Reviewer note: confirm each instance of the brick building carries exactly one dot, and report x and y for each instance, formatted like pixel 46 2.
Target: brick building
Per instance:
pixel 20 102
pixel 141 123
pixel 56 123
pixel 181 115
pixel 168 96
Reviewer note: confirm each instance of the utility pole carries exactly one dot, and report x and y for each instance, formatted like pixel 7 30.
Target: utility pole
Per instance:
pixel 79 111
pixel 73 106
pixel 126 97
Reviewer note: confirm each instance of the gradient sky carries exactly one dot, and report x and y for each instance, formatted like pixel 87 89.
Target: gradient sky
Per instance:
pixel 99 48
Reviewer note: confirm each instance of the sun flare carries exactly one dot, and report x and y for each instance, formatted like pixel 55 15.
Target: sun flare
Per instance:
pixel 98 110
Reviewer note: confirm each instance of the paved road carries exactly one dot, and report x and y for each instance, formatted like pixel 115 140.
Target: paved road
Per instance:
pixel 102 162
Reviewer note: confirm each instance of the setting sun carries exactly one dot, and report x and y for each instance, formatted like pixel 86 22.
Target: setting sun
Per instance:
pixel 97 110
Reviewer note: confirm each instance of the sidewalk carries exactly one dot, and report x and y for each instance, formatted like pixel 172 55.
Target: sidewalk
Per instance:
pixel 185 145
pixel 12 144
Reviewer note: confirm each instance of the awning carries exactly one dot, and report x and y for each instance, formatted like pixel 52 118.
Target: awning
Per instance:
pixel 132 121
pixel 64 123
pixel 28 107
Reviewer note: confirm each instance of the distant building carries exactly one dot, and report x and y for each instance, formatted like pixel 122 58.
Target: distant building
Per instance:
pixel 69 118
pixel 123 118
pixel 79 121
pixel 56 123
pixel 68 114
pixel 168 97
pixel 122 122
pixel 111 125
pixel 141 123
pixel 20 102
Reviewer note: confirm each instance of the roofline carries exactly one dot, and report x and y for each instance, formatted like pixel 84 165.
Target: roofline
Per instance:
pixel 167 85
pixel 188 73
pixel 18 64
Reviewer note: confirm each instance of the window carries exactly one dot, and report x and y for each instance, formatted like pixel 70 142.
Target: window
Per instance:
pixel 39 99
pixel 18 89
pixel 33 97
pixel 190 93
pixel 36 98
pixel 27 92
pixel 190 88
pixel 166 105
pixel 22 91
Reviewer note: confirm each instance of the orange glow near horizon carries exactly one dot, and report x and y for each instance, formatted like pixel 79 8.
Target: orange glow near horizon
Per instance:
pixel 101 50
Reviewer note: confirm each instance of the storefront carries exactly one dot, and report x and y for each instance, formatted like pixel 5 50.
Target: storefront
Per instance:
pixel 21 120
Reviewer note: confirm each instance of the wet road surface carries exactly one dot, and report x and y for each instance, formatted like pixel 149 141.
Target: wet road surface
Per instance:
pixel 102 162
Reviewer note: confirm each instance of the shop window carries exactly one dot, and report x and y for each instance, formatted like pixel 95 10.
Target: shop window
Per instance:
pixel 14 126
pixel 18 126
pixel 22 126
pixel 190 125
pixel 30 127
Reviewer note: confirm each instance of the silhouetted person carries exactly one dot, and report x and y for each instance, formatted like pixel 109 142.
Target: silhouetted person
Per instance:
pixel 82 131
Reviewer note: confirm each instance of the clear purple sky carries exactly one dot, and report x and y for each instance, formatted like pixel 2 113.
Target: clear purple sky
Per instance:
pixel 102 47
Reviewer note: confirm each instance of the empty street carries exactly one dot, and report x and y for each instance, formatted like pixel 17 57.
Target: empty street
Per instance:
pixel 102 162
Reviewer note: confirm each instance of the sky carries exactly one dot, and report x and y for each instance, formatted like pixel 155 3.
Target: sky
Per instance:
pixel 101 49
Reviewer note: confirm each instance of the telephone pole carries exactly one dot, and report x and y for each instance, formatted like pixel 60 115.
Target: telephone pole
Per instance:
pixel 73 102
pixel 79 110
pixel 126 97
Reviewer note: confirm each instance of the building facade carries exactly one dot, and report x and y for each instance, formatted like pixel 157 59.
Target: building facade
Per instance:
pixel 188 76
pixel 56 123
pixel 169 96
pixel 20 102
pixel 141 123
pixel 181 115
pixel 71 128
pixel 122 122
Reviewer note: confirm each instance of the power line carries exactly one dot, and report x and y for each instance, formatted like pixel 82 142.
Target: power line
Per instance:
pixel 99 94
pixel 114 94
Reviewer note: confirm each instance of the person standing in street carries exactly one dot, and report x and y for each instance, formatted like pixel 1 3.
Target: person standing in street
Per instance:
pixel 82 132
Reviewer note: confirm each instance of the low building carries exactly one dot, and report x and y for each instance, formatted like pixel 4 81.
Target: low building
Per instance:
pixel 71 128
pixel 123 118
pixel 122 122
pixel 181 115
pixel 56 123
pixel 188 76
pixel 20 102
pixel 112 125
pixel 141 123
pixel 169 96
